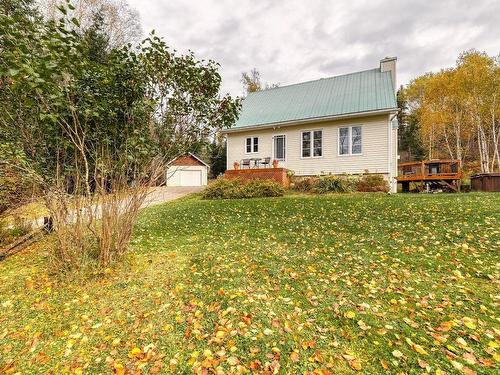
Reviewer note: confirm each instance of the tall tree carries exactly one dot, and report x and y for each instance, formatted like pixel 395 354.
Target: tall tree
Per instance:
pixel 410 143
pixel 95 39
pixel 251 82
pixel 97 129
pixel 120 22
pixel 218 153
pixel 458 110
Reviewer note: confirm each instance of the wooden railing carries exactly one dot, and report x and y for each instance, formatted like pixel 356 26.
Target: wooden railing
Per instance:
pixel 429 170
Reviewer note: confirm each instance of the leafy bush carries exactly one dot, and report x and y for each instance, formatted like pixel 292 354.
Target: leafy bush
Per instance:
pixel 335 184
pixel 372 183
pixel 304 184
pixel 14 189
pixel 224 188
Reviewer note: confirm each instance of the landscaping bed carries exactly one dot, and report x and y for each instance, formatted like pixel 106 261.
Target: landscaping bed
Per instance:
pixel 331 284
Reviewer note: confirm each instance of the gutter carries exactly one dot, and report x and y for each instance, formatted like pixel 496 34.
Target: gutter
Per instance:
pixel 309 120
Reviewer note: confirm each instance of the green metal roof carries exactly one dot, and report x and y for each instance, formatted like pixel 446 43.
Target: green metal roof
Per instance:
pixel 369 90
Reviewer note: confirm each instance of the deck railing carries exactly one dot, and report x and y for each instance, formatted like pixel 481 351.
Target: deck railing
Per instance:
pixel 429 170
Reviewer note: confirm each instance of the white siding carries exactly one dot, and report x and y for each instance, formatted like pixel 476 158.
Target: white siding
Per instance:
pixel 374 157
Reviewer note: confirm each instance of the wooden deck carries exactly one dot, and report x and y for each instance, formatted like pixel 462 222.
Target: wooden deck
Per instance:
pixel 444 172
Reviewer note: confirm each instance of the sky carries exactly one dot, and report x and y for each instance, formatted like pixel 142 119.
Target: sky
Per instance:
pixel 290 41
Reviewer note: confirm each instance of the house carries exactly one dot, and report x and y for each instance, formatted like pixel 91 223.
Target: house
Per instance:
pixel 337 125
pixel 187 170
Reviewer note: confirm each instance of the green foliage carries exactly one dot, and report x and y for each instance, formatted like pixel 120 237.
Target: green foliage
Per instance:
pixel 335 184
pixel 14 189
pixel 73 106
pixel 372 183
pixel 94 123
pixel 94 39
pixel 217 155
pixel 341 184
pixel 410 142
pixel 224 188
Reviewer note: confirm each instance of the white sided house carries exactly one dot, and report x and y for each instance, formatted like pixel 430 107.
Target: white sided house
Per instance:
pixel 343 124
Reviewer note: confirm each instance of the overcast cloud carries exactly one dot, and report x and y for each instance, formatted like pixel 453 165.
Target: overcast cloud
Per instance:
pixel 291 41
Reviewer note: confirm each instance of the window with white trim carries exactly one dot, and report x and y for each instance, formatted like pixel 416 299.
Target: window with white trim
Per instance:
pixel 252 145
pixel 312 143
pixel 350 140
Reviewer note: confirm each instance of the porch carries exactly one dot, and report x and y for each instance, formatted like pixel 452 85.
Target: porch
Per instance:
pixel 435 173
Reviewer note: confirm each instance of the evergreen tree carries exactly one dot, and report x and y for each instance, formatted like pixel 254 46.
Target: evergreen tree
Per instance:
pixel 410 144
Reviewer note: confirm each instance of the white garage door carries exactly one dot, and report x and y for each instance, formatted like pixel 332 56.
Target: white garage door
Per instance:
pixel 190 178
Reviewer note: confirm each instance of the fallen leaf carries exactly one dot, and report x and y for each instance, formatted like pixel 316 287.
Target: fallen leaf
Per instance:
pixel 397 353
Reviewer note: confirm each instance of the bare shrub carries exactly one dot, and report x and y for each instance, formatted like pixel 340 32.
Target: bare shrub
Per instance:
pixel 93 230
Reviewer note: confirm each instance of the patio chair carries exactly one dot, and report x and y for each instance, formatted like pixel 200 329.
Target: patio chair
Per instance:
pixel 245 163
pixel 266 162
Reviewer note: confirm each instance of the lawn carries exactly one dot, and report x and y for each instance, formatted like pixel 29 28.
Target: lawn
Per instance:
pixel 337 284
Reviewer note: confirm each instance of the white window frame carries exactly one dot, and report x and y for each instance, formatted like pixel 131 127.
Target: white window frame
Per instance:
pixel 312 144
pixel 252 145
pixel 349 140
pixel 284 146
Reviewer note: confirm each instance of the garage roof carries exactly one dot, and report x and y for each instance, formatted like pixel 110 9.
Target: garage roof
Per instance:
pixel 181 160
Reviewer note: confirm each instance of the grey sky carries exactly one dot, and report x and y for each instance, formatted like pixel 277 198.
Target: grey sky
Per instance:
pixel 291 41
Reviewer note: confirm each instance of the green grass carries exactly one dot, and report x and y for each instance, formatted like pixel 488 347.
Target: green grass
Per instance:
pixel 347 282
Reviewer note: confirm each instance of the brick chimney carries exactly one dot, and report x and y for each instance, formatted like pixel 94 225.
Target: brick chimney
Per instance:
pixel 389 65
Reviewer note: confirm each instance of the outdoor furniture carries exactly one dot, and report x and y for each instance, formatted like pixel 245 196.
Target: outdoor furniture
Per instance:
pixel 245 163
pixel 266 162
pixel 256 162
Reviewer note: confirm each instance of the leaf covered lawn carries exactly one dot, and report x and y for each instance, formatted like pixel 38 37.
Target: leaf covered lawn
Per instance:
pixel 337 284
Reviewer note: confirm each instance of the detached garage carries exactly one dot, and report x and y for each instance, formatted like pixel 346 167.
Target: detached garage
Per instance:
pixel 187 170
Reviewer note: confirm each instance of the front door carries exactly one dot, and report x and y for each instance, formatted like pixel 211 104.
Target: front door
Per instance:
pixel 279 148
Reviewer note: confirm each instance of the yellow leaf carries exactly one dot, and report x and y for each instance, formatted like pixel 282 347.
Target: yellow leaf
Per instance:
pixel 135 352
pixel 119 369
pixel 350 314
pixel 168 327
pixel 469 323
pixel 493 344
pixel 419 349
pixel 294 356
pixel 220 334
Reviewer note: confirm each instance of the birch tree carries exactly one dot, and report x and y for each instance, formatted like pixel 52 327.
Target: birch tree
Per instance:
pixel 458 109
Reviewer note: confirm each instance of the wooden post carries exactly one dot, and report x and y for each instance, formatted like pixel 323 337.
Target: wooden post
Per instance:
pixel 405 186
